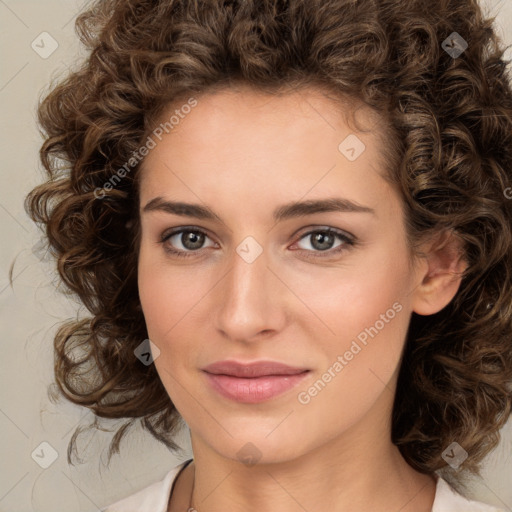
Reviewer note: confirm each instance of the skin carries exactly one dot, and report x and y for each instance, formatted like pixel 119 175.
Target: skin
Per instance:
pixel 243 154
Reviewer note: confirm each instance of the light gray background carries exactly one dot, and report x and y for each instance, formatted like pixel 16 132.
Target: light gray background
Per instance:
pixel 32 310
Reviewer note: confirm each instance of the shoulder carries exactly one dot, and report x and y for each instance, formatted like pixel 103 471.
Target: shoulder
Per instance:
pixel 448 500
pixel 152 498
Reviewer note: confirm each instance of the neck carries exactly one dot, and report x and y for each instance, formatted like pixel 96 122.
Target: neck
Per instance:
pixel 338 482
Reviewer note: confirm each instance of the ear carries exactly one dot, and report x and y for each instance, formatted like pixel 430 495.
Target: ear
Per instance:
pixel 439 273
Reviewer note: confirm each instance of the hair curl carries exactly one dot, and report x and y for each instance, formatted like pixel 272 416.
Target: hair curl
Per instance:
pixel 450 129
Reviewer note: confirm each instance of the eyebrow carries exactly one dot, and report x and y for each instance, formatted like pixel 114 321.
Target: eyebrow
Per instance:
pixel 286 211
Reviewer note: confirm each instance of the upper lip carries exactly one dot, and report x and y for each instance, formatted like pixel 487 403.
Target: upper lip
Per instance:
pixel 254 369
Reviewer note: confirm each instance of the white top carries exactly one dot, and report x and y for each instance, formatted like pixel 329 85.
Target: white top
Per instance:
pixel 155 497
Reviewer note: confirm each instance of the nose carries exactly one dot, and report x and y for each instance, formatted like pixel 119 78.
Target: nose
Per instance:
pixel 251 301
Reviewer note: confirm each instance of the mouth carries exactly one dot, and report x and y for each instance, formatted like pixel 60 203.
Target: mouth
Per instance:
pixel 254 382
pixel 253 369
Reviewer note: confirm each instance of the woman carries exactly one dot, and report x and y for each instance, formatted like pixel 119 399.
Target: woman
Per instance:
pixel 290 223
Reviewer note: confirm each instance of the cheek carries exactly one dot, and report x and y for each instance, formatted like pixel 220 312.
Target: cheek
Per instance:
pixel 353 297
pixel 167 300
pixel 158 298
pixel 166 292
pixel 364 313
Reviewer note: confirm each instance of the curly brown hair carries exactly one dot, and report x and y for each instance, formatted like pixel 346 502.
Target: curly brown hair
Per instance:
pixel 449 134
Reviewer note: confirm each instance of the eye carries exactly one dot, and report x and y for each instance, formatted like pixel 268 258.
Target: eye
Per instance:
pixel 323 240
pixel 190 240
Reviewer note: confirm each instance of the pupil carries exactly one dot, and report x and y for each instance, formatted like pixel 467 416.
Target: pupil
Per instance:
pixel 322 237
pixel 192 240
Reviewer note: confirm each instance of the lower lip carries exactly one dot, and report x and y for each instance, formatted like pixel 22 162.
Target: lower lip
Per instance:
pixel 254 390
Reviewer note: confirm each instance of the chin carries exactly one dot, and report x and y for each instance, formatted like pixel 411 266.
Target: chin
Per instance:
pixel 255 448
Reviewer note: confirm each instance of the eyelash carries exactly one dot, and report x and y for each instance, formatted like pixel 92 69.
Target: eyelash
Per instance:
pixel 348 242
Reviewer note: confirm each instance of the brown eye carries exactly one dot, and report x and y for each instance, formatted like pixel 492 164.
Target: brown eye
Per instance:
pixel 184 242
pixel 323 240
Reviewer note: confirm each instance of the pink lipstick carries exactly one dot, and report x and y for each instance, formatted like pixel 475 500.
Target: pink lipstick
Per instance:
pixel 253 382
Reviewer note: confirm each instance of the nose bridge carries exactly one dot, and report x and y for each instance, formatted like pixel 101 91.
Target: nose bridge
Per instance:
pixel 249 293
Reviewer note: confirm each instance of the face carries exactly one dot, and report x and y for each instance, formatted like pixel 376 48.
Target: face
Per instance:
pixel 248 277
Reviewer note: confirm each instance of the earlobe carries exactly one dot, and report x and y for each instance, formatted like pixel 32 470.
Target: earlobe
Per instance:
pixel 440 276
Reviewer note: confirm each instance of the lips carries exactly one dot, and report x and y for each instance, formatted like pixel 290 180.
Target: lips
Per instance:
pixel 254 382
pixel 252 370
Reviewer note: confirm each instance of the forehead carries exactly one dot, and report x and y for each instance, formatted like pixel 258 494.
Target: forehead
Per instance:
pixel 222 111
pixel 248 142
